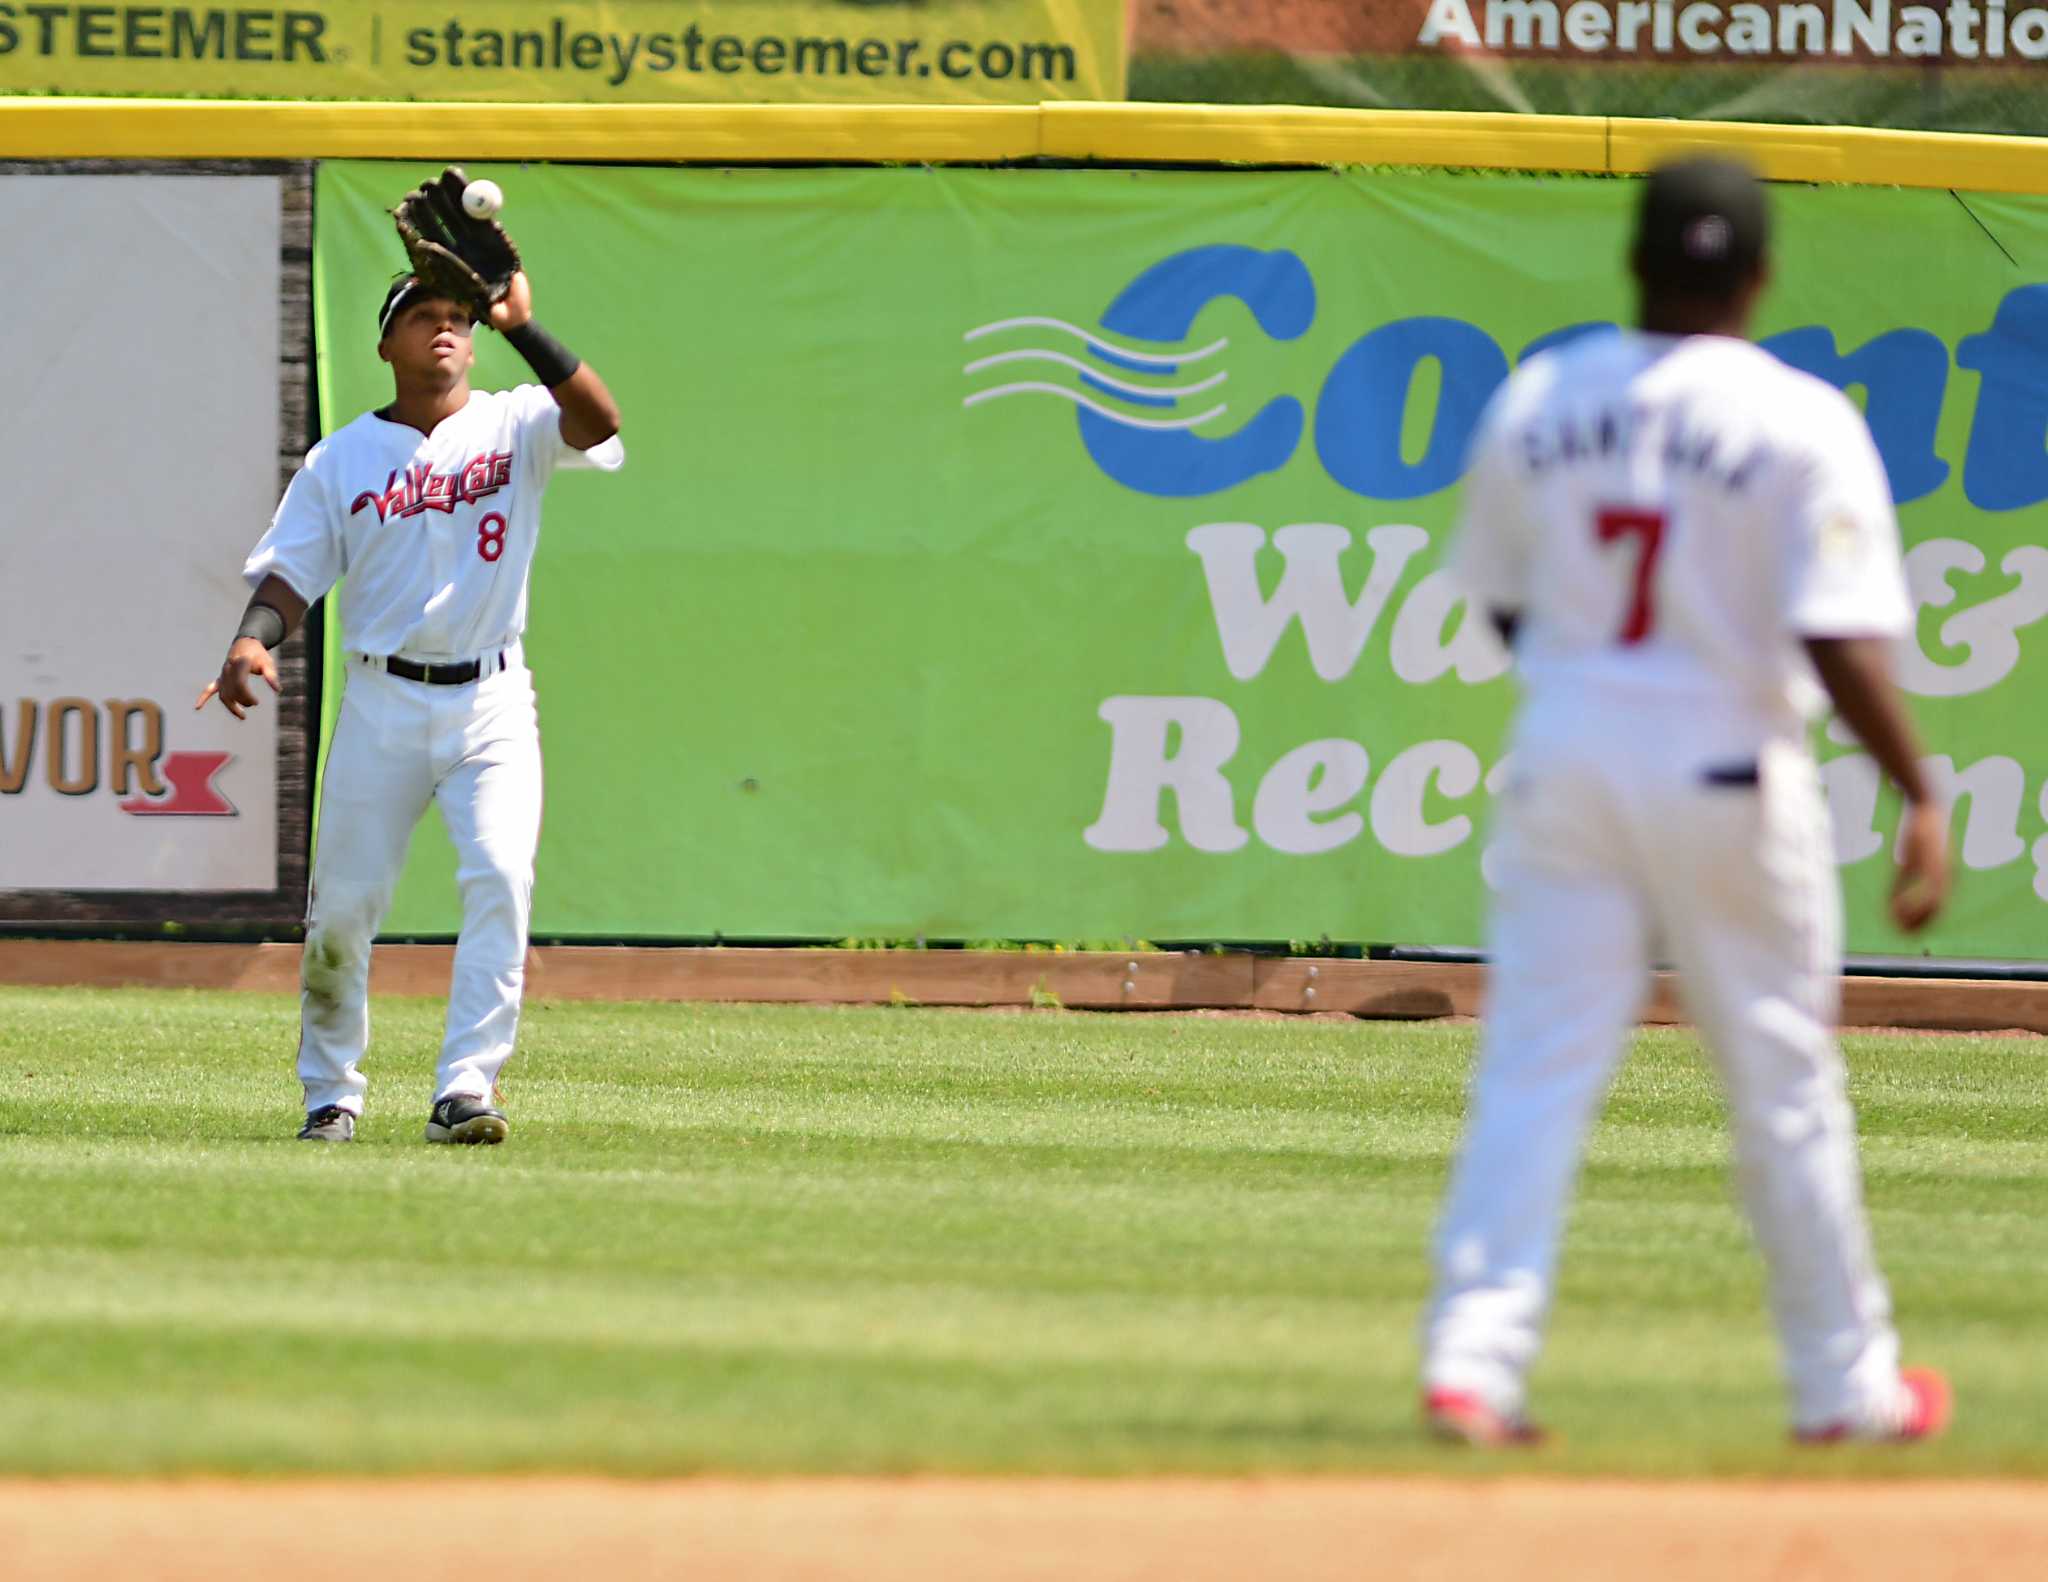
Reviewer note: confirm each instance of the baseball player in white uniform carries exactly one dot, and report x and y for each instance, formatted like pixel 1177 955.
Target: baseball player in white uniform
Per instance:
pixel 430 507
pixel 1680 536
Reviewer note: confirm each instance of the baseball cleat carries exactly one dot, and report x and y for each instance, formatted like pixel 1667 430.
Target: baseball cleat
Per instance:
pixel 1924 1414
pixel 459 1119
pixel 330 1124
pixel 1461 1418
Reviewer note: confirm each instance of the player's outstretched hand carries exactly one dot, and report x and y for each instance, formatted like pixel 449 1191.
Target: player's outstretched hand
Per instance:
pixel 246 658
pixel 1922 882
pixel 515 307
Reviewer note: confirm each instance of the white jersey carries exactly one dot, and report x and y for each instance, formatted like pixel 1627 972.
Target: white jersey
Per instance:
pixel 1669 516
pixel 435 532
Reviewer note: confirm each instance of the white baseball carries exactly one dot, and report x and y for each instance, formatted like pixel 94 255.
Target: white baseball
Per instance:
pixel 483 198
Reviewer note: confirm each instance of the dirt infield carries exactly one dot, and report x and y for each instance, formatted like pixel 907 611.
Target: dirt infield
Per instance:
pixel 918 1530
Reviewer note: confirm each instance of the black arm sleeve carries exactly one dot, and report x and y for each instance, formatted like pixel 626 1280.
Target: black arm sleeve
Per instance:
pixel 263 623
pixel 550 360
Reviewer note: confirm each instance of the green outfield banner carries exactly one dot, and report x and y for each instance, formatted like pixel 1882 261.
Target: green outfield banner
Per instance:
pixel 1054 554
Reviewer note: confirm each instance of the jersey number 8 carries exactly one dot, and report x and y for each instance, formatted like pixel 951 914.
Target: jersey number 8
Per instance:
pixel 490 541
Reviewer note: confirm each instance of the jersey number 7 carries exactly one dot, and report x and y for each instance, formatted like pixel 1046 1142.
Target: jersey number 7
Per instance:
pixel 1647 528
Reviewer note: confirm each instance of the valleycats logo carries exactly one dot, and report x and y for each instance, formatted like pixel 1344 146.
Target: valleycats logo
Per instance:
pixel 419 488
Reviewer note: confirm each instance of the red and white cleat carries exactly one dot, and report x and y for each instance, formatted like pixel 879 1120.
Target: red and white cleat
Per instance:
pixel 1925 1413
pixel 1462 1418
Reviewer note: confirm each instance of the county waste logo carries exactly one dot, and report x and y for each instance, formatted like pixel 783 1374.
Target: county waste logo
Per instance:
pixel 1153 413
pixel 1106 395
pixel 1140 394
pixel 1155 418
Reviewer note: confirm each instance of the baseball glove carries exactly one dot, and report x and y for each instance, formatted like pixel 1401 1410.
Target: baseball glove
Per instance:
pixel 459 255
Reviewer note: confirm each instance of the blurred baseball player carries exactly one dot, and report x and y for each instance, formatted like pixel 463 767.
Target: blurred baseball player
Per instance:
pixel 431 508
pixel 1679 535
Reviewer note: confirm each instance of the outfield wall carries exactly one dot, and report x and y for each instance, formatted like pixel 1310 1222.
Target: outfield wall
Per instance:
pixel 949 593
pixel 1053 553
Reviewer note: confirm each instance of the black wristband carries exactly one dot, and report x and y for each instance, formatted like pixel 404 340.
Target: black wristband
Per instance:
pixel 550 360
pixel 263 623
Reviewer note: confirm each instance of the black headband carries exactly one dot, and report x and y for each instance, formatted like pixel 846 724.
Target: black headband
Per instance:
pixel 403 294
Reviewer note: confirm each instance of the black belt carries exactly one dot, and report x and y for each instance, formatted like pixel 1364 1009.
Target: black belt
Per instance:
pixel 444 675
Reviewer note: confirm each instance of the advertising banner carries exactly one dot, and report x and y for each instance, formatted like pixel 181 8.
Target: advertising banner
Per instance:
pixel 576 51
pixel 138 440
pixel 1959 65
pixel 1054 554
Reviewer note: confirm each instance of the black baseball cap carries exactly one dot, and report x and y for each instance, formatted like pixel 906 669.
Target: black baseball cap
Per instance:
pixel 404 292
pixel 1702 227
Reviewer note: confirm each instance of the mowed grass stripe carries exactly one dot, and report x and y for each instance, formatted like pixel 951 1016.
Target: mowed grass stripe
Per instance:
pixel 776 1239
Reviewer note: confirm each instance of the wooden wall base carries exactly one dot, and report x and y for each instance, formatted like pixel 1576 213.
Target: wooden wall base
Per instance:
pixel 1079 980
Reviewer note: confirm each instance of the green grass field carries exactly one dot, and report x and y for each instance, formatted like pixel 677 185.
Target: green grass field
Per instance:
pixel 802 1240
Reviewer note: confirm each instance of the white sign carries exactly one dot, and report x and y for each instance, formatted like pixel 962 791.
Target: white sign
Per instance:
pixel 138 444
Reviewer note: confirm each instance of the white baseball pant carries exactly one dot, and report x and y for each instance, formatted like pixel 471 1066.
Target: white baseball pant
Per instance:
pixel 1615 845
pixel 474 751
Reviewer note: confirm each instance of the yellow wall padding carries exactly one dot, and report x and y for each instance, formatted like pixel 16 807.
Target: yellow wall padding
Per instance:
pixel 624 133
pixel 1212 134
pixel 1858 155
pixel 1176 134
